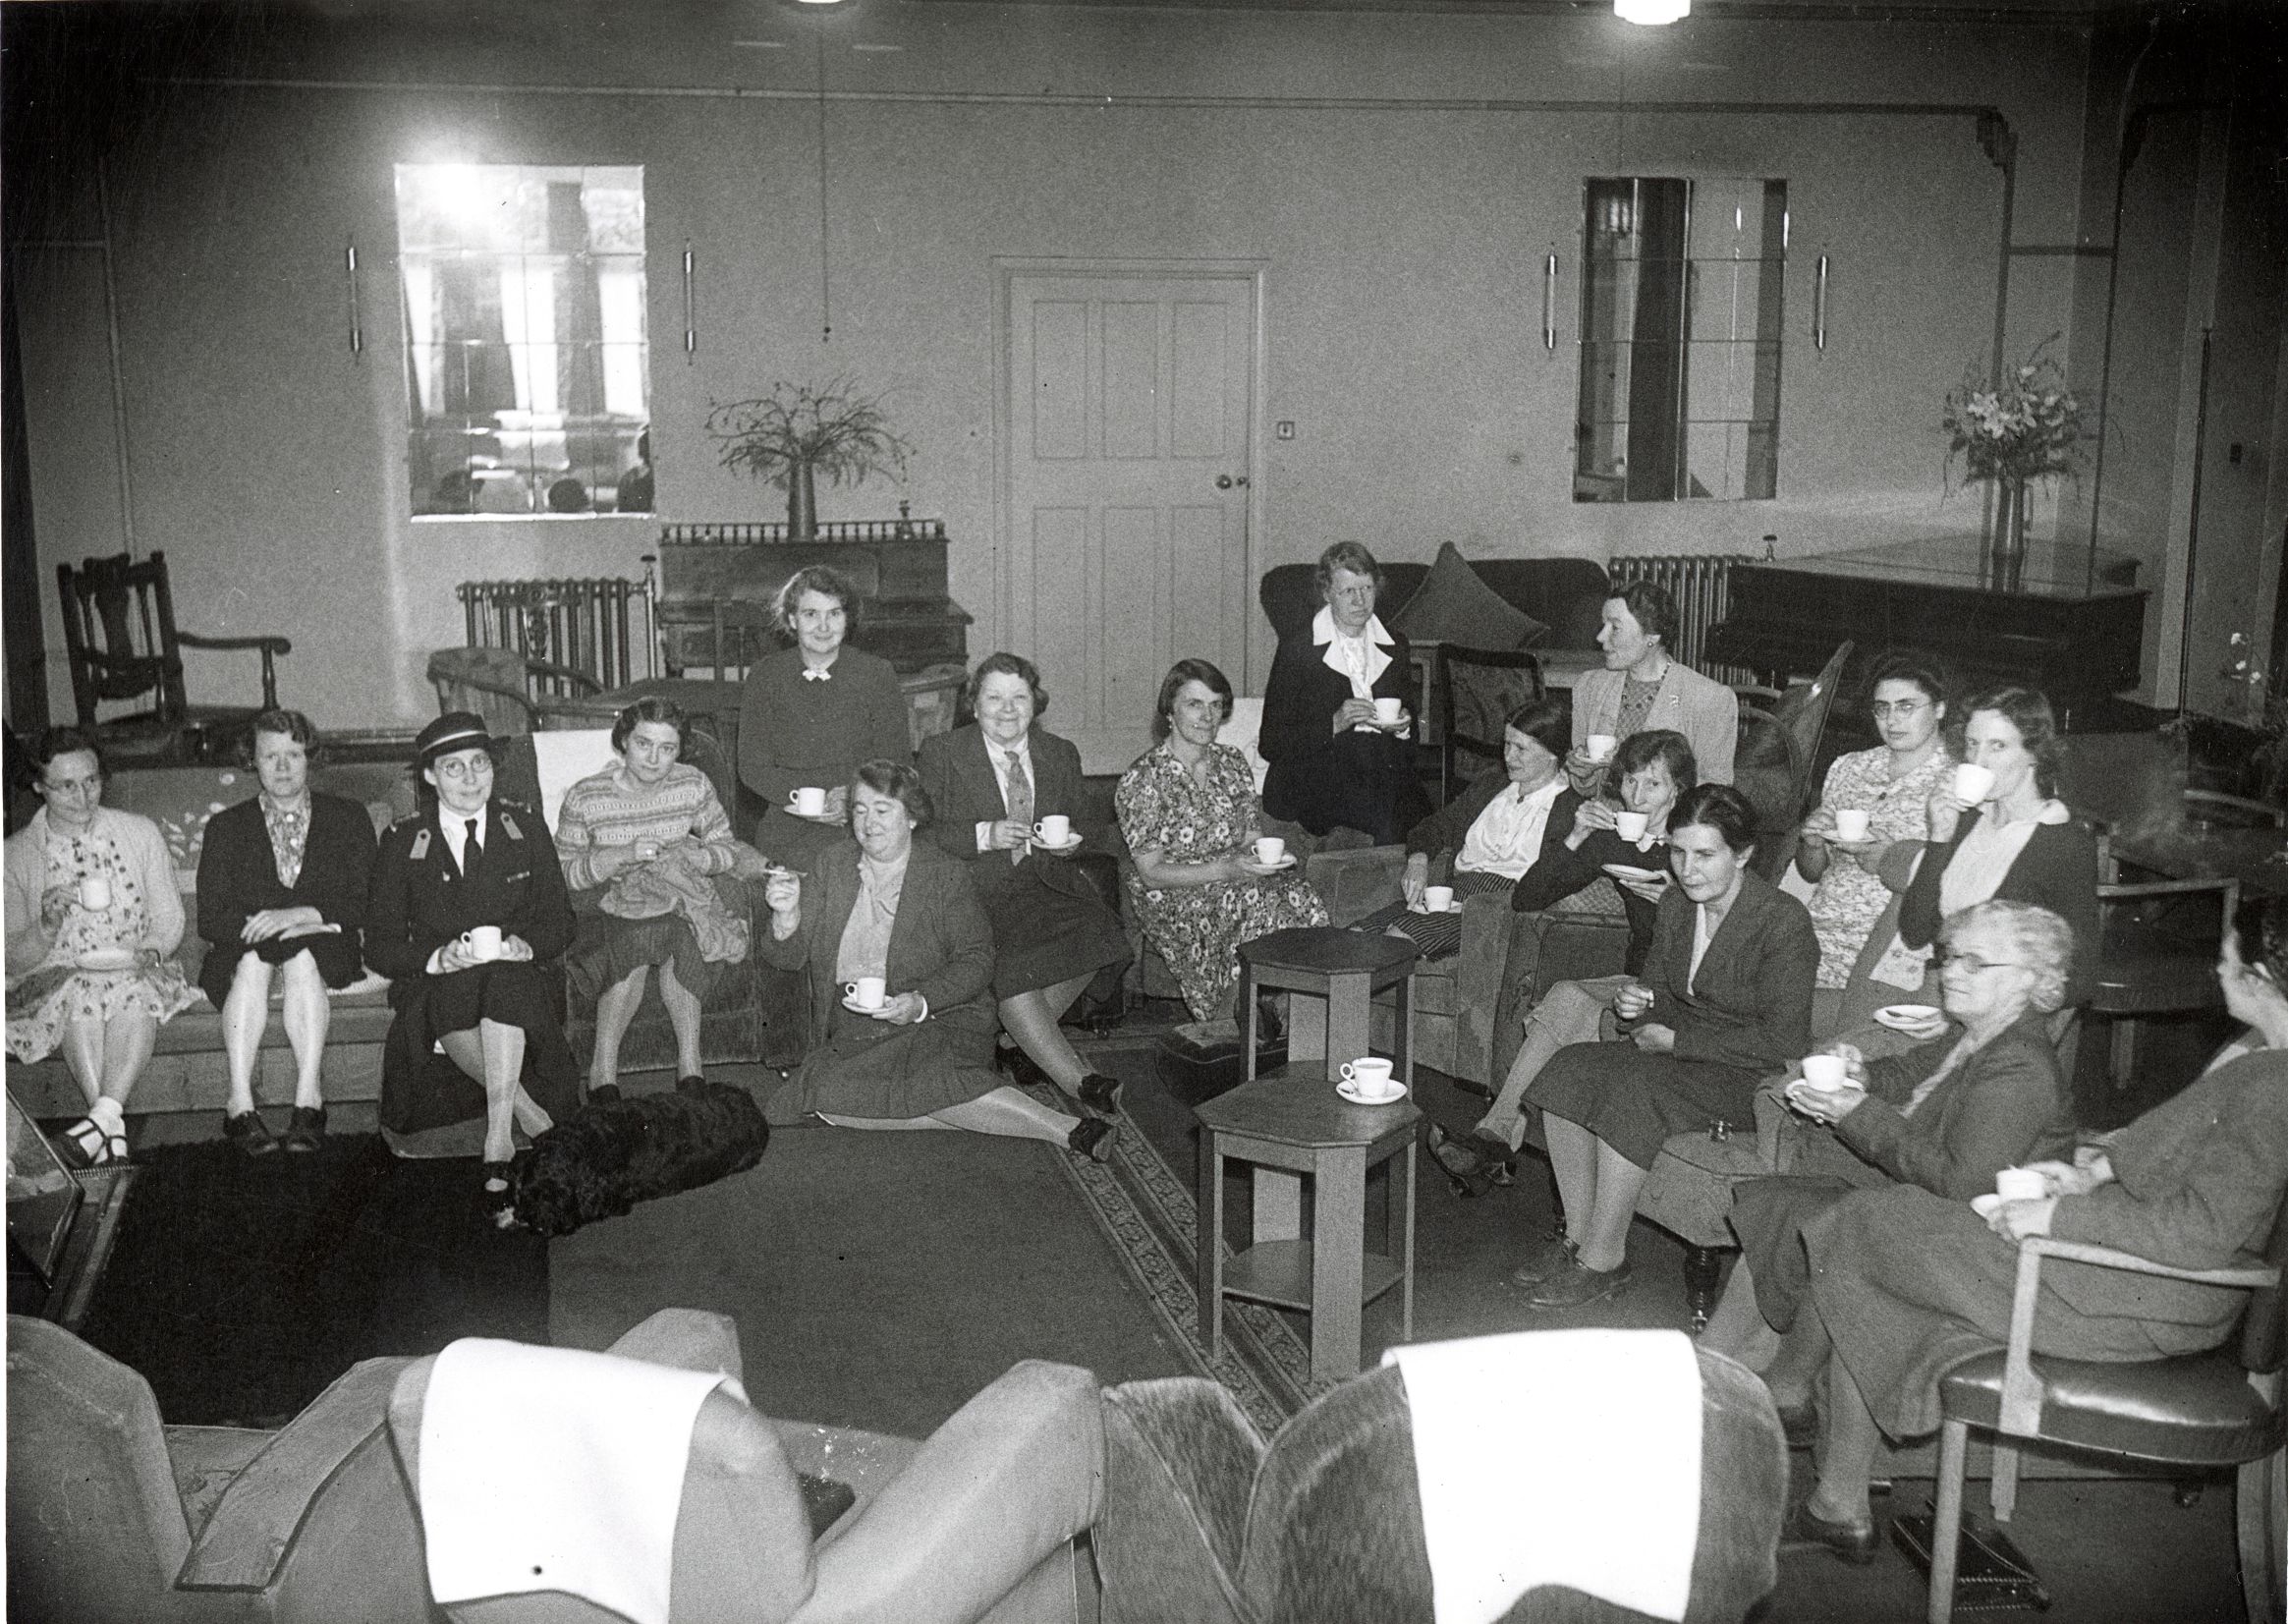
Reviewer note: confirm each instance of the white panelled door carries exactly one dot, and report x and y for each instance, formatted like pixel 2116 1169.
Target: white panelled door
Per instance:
pixel 1130 399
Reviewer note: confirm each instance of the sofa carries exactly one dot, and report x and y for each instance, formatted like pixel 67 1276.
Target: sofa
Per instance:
pixel 114 1515
pixel 1564 597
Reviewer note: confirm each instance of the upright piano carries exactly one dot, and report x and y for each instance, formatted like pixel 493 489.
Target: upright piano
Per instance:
pixel 2050 623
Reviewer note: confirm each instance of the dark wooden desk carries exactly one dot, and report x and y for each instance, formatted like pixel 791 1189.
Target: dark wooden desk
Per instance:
pixel 2257 857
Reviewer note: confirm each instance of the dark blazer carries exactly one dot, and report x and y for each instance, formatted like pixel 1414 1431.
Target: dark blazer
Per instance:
pixel 1564 870
pixel 2006 1104
pixel 1300 702
pixel 238 877
pixel 1753 1007
pixel 940 943
pixel 420 901
pixel 2057 870
pixel 964 785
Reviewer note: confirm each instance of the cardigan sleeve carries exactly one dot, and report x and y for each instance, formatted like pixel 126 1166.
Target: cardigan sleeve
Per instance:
pixel 1562 870
pixel 24 867
pixel 2008 1100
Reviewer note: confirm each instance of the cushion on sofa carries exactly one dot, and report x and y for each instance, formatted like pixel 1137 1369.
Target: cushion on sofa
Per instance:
pixel 1456 606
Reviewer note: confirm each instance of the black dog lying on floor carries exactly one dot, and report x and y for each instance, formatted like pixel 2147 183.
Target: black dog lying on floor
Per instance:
pixel 616 1153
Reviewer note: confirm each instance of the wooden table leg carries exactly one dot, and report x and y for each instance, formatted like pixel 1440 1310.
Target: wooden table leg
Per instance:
pixel 1348 1006
pixel 1337 1261
pixel 1400 1227
pixel 1208 1267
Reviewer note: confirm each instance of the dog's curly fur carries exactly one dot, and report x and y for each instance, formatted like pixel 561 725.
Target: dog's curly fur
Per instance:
pixel 616 1153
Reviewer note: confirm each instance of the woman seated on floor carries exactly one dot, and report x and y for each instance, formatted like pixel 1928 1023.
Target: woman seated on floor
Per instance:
pixel 1187 811
pixel 1907 1284
pixel 1335 761
pixel 1892 785
pixel 282 882
pixel 93 921
pixel 915 1049
pixel 467 906
pixel 989 784
pixel 1946 1116
pixel 1656 769
pixel 647 853
pixel 2014 840
pixel 1725 999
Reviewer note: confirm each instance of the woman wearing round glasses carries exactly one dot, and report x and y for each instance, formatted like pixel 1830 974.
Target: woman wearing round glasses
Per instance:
pixel 1946 1115
pixel 1891 786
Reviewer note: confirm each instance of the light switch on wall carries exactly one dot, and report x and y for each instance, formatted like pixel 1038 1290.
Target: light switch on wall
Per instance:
pixel 1285 428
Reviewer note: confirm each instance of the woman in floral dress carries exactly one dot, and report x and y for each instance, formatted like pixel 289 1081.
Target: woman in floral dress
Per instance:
pixel 94 919
pixel 1187 812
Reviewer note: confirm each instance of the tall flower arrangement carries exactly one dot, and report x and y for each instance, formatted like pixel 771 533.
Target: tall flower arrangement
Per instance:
pixel 2025 424
pixel 799 432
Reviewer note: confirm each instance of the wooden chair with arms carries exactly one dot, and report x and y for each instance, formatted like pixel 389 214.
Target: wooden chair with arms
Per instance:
pixel 2218 1409
pixel 516 693
pixel 1476 689
pixel 122 642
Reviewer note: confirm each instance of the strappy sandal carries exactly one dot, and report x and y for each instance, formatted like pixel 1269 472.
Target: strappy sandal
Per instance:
pixel 85 1145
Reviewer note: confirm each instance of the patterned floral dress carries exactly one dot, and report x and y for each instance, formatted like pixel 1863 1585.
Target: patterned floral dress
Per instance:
pixel 1198 928
pixel 97 964
pixel 1850 900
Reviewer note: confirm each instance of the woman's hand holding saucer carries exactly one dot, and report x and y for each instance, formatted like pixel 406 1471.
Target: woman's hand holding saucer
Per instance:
pixel 2015 1220
pixel 1416 879
pixel 900 1009
pixel 1828 1105
pixel 1652 888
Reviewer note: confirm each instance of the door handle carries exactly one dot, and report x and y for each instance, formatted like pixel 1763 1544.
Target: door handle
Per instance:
pixel 1224 481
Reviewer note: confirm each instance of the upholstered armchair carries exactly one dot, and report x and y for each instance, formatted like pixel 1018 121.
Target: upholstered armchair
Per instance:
pixel 1204 1521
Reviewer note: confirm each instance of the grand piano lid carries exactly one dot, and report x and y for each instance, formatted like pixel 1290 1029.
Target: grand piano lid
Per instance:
pixel 2052 568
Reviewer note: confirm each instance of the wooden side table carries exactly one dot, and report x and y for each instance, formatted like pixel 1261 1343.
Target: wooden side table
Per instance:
pixel 1300 1124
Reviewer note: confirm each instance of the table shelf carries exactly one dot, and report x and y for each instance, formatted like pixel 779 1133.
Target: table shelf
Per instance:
pixel 1278 1272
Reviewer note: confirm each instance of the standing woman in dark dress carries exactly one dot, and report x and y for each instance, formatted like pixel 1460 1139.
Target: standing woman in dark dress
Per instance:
pixel 989 783
pixel 812 712
pixel 459 870
pixel 282 883
pixel 1332 762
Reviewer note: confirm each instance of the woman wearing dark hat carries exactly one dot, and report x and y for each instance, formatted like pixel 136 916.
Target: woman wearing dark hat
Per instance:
pixel 467 902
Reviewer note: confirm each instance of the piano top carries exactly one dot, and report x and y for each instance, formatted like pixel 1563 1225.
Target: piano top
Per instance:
pixel 2052 569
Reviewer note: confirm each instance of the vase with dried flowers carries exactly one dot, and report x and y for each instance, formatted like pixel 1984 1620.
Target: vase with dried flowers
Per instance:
pixel 2023 425
pixel 800 433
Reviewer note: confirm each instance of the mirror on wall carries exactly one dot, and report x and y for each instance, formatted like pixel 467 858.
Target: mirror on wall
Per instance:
pixel 1682 283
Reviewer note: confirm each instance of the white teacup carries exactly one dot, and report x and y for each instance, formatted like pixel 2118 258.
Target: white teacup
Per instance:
pixel 1630 825
pixel 1850 823
pixel 1388 711
pixel 1825 1072
pixel 866 992
pixel 807 801
pixel 1053 830
pixel 482 942
pixel 1369 1075
pixel 1270 849
pixel 94 893
pixel 2021 1184
pixel 1437 898
pixel 1601 745
pixel 1972 783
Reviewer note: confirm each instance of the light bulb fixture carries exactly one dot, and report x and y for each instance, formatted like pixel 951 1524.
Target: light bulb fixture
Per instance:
pixel 1652 12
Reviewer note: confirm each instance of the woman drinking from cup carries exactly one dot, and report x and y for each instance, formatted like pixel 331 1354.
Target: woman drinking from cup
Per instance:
pixel 647 853
pixel 1643 686
pixel 1202 880
pixel 282 884
pixel 1947 1117
pixel 900 956
pixel 810 713
pixel 1335 724
pixel 1993 828
pixel 1872 800
pixel 467 904
pixel 93 920
pixel 1008 799
pixel 1725 998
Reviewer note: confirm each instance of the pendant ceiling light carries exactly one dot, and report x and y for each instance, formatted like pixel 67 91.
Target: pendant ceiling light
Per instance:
pixel 1651 11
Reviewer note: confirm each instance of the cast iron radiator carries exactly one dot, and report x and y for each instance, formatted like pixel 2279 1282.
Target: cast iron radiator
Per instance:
pixel 599 624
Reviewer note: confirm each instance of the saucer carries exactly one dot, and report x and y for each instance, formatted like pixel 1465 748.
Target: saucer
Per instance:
pixel 1629 871
pixel 857 1008
pixel 1072 844
pixel 1352 1093
pixel 107 957
pixel 1901 1016
pixel 1987 1206
pixel 1286 860
pixel 1454 907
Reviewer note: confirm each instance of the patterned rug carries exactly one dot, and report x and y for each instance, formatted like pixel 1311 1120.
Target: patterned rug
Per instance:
pixel 1148 1213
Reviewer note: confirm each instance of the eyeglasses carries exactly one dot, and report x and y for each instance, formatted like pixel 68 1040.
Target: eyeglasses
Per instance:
pixel 1973 964
pixel 1903 709
pixel 480 767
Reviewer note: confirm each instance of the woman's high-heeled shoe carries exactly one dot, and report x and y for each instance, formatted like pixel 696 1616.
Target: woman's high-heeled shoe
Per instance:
pixel 1472 1166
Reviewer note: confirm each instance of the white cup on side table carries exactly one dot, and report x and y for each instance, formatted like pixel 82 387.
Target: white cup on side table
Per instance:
pixel 1370 1076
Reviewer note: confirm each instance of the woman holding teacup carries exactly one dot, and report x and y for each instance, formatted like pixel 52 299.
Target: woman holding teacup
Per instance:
pixel 810 713
pixel 468 905
pixel 1202 880
pixel 1336 730
pixel 1007 803
pixel 1947 1117
pixel 1994 827
pixel 1872 800
pixel 282 886
pixel 94 919
pixel 900 956
pixel 1643 685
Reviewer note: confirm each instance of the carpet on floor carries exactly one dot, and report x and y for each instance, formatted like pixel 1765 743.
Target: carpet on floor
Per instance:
pixel 240 1287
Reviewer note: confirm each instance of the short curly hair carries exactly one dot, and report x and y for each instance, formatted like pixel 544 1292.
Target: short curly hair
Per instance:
pixel 290 724
pixel 2042 941
pixel 1005 664
pixel 821 579
pixel 898 778
pixel 1182 672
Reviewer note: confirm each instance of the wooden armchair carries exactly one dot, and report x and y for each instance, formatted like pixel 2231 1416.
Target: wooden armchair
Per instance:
pixel 1476 689
pixel 1777 759
pixel 124 646
pixel 516 693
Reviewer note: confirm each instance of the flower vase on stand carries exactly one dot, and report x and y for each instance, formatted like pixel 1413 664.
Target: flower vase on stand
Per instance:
pixel 2013 502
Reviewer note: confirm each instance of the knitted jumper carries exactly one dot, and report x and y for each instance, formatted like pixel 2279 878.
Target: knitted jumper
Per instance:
pixel 608 808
